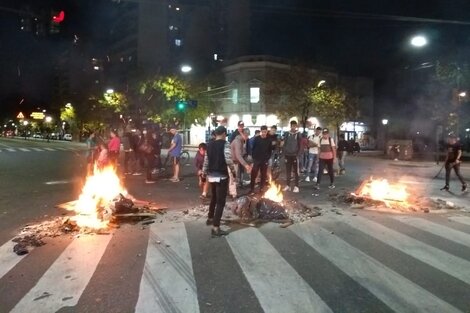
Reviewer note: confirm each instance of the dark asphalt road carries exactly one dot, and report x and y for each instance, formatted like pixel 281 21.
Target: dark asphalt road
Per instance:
pixel 358 261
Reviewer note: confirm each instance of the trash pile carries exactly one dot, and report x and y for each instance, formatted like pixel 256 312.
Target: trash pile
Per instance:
pixel 418 204
pixel 121 210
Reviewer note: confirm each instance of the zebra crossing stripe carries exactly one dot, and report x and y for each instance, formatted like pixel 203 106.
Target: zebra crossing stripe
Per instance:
pixel 64 282
pixel 460 219
pixel 49 149
pixel 439 259
pixel 396 291
pixel 10 149
pixel 24 149
pixel 37 149
pixel 8 259
pixel 437 229
pixel 278 287
pixel 168 283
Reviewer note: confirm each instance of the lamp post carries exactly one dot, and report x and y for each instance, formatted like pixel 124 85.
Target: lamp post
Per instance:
pixel 418 41
pixel 385 123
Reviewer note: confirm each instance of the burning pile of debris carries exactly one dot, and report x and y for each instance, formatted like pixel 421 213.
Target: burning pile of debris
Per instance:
pixel 380 195
pixel 101 205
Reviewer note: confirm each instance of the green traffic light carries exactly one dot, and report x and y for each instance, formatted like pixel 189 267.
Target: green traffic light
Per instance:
pixel 181 105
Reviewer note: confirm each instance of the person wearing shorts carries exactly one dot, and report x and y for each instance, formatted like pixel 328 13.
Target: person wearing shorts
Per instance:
pixel 175 152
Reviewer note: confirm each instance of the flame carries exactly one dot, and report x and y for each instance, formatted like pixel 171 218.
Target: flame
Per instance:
pixel 274 193
pixel 99 190
pixel 380 189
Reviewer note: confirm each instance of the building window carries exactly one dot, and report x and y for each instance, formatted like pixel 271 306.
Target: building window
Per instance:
pixel 178 42
pixel 235 96
pixel 254 94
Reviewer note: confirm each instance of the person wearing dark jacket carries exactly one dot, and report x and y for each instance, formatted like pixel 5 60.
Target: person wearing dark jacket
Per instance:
pixel 342 151
pixel 262 147
pixel 215 169
pixel 454 153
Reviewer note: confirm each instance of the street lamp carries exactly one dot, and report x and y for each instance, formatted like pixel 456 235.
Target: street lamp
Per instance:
pixel 321 82
pixel 48 119
pixel 462 94
pixel 186 68
pixel 385 123
pixel 419 41
pixel 109 91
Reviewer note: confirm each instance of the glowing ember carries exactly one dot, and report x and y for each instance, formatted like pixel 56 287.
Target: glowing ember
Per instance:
pixel 380 189
pixel 99 190
pixel 274 193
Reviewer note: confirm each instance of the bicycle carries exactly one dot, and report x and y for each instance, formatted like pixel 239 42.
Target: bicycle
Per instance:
pixel 184 158
pixel 276 166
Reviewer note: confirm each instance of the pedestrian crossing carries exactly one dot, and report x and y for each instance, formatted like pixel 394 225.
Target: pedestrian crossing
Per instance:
pixel 35 149
pixel 334 263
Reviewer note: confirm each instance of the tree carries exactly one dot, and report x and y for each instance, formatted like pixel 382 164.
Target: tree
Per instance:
pixel 330 105
pixel 300 91
pixel 287 91
pixel 162 94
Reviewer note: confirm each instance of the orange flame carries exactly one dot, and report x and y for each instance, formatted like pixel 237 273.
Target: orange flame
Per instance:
pixel 99 190
pixel 380 189
pixel 274 193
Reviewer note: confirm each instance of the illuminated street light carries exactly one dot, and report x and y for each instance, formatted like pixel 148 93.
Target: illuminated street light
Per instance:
pixel 419 41
pixel 321 82
pixel 25 123
pixel 384 121
pixel 68 105
pixel 48 119
pixel 186 68
pixel 109 91
pixel 462 94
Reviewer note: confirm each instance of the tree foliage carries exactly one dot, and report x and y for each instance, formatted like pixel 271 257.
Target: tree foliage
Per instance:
pixel 330 104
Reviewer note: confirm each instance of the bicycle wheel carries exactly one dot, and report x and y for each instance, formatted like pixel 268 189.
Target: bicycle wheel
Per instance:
pixel 275 171
pixel 184 157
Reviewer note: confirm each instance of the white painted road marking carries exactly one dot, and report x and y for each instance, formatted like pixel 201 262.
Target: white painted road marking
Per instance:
pixel 168 283
pixel 394 290
pixel 278 287
pixel 8 259
pixel 64 282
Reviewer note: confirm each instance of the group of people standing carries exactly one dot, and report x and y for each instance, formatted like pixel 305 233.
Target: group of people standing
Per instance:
pixel 220 163
pixel 141 149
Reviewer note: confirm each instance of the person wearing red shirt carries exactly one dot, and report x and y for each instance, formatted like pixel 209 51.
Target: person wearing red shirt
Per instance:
pixel 114 145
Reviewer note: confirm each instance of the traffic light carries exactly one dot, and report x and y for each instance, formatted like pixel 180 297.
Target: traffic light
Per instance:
pixel 57 17
pixel 181 105
pixel 192 104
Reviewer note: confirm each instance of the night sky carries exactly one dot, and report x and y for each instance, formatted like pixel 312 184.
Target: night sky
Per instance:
pixel 320 32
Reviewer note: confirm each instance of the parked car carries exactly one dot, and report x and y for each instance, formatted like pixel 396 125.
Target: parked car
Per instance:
pixel 68 137
pixel 37 135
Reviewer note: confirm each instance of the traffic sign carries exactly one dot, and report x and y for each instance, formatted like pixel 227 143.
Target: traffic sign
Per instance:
pixel 38 115
pixel 20 116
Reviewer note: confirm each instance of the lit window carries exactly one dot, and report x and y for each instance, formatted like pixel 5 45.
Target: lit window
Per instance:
pixel 178 42
pixel 215 56
pixel 177 9
pixel 254 94
pixel 235 96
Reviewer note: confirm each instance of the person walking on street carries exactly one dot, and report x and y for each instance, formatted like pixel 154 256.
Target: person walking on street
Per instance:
pixel 454 153
pixel 342 151
pixel 217 162
pixel 199 163
pixel 261 154
pixel 327 156
pixel 291 149
pixel 313 149
pixel 174 152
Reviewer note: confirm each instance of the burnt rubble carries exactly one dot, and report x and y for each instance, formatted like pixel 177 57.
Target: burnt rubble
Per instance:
pixel 417 204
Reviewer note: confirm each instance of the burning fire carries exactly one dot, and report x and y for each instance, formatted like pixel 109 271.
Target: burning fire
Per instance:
pixel 99 190
pixel 274 193
pixel 380 189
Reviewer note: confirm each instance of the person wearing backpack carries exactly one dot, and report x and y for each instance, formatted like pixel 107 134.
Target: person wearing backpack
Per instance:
pixel 327 156
pixel 291 148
